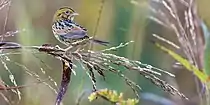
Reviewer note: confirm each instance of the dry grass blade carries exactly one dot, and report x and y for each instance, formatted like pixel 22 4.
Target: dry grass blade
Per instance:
pixel 181 17
pixel 66 78
pixel 12 33
pixel 100 61
pixel 185 23
pixel 4 3
pixel 11 76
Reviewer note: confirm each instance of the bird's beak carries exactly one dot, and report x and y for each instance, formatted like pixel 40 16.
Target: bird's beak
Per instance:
pixel 75 14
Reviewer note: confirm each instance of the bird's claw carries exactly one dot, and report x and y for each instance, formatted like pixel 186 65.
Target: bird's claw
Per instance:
pixel 57 47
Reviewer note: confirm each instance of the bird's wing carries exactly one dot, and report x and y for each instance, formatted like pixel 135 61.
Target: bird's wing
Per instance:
pixel 74 34
pixel 79 26
pixel 70 30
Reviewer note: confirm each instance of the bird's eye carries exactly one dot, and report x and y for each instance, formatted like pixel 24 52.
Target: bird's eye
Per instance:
pixel 67 12
pixel 59 14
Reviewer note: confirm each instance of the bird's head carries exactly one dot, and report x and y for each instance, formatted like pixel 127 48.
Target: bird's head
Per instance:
pixel 65 13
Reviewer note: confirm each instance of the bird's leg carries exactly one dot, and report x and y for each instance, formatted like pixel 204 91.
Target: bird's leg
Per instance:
pixel 77 46
pixel 68 50
pixel 81 47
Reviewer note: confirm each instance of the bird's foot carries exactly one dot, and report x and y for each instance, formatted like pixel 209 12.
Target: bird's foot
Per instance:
pixel 57 47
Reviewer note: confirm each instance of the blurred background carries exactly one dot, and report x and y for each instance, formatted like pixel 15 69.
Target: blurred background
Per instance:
pixel 120 21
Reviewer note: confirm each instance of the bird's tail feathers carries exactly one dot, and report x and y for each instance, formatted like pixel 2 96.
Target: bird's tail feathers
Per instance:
pixel 105 43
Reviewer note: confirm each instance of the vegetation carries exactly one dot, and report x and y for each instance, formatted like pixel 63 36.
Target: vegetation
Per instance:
pixel 121 73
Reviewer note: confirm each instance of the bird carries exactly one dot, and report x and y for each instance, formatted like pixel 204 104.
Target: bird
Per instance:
pixel 67 31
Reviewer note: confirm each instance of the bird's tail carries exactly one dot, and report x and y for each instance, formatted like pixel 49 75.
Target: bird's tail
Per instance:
pixel 105 43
